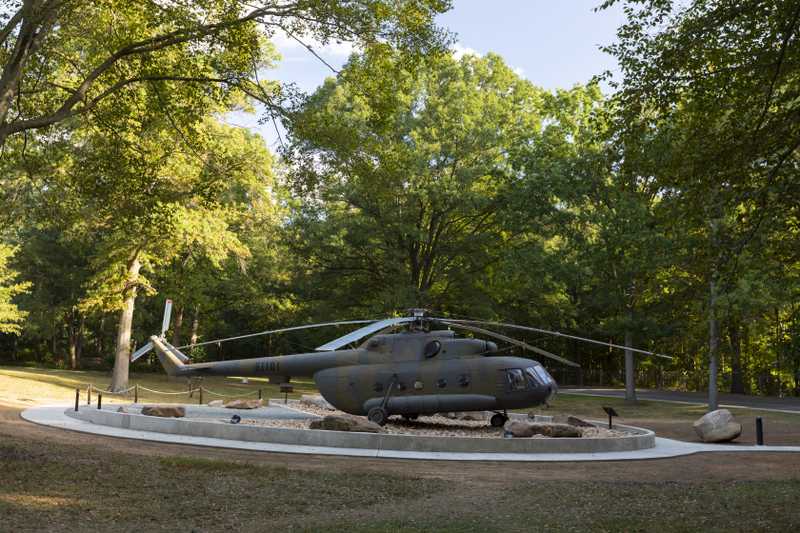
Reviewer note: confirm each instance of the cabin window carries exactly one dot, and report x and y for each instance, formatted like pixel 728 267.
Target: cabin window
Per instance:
pixel 441 383
pixel 463 380
pixel 432 348
pixel 516 379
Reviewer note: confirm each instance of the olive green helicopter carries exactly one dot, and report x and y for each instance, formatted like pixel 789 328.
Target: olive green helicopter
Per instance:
pixel 410 365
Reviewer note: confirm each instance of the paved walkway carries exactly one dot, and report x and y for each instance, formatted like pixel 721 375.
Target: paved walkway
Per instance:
pixel 765 403
pixel 54 416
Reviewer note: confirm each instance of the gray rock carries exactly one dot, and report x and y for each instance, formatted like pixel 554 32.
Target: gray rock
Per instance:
pixel 345 423
pixel 717 426
pixel 244 404
pixel 166 411
pixel 216 403
pixel 526 428
pixel 123 410
pixel 572 421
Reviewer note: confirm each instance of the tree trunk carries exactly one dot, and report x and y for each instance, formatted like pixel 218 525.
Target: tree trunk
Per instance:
pixel 101 336
pixel 79 347
pixel 737 383
pixel 73 350
pixel 122 355
pixel 713 345
pixel 195 325
pixel 176 331
pixel 630 369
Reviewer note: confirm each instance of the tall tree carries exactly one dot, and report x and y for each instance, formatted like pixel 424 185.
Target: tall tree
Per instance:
pixel 402 179
pixel 726 74
pixel 65 58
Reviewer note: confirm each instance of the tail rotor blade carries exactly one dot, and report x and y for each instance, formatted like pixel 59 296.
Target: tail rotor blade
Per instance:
pixel 141 351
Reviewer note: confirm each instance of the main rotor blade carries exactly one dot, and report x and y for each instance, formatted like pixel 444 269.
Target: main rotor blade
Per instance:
pixel 360 333
pixel 281 330
pixel 558 334
pixel 509 340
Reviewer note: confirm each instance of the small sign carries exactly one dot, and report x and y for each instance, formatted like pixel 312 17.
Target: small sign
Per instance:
pixel 611 413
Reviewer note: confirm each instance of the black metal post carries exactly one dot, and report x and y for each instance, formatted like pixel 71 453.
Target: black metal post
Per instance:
pixel 259 394
pixel 77 397
pixel 759 431
pixel 201 394
pixel 609 420
pixel 136 393
pixel 99 401
pixel 89 394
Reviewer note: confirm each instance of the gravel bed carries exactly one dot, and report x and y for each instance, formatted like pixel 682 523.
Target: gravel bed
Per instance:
pixel 435 425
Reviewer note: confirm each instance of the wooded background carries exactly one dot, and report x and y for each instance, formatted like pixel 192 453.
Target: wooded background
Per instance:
pixel 663 215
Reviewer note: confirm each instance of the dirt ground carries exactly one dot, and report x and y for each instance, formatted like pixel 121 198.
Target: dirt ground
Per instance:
pixel 60 481
pixel 699 467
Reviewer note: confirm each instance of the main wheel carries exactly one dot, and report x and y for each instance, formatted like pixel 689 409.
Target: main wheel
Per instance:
pixel 378 415
pixel 498 420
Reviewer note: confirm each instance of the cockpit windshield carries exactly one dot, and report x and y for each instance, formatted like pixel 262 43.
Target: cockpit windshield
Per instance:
pixel 538 375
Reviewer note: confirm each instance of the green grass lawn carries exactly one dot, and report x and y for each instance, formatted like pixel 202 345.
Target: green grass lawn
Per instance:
pixel 31 386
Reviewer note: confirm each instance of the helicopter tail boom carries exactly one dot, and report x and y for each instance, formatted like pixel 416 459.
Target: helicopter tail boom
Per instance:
pixel 171 358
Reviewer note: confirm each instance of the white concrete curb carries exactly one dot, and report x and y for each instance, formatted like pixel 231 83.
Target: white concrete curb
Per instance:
pixel 665 448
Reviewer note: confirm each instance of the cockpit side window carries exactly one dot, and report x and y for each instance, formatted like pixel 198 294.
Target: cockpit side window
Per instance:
pixel 516 379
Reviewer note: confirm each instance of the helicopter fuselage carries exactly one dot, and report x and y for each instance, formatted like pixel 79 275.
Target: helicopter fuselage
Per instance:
pixel 407 373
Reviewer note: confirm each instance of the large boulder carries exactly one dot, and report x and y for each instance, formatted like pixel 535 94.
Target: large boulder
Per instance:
pixel 166 411
pixel 216 403
pixel 572 421
pixel 345 423
pixel 244 404
pixel 717 426
pixel 526 428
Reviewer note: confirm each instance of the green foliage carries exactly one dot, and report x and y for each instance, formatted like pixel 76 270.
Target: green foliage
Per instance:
pixel 10 314
pixel 69 58
pixel 401 178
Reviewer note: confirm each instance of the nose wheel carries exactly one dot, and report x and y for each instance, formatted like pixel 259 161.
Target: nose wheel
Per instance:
pixel 378 415
pixel 498 420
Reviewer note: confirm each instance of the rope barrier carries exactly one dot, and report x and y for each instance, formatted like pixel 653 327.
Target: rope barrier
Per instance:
pixel 178 393
pixel 163 392
pixel 229 396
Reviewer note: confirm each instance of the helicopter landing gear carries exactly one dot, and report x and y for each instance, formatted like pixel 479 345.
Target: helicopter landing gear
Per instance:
pixel 410 417
pixel 378 415
pixel 498 420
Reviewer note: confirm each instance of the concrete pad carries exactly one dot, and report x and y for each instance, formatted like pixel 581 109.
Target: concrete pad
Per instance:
pixel 55 416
